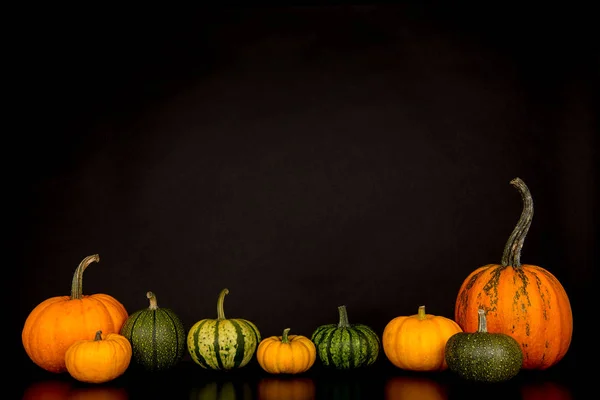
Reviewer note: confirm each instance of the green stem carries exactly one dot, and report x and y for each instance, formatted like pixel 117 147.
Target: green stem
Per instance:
pixel 482 321
pixel 343 317
pixel 421 314
pixel 77 283
pixel 220 301
pixel 512 249
pixel 153 302
pixel 98 336
pixel 284 337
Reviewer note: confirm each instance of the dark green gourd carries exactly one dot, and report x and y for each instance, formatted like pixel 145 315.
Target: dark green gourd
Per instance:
pixel 344 345
pixel 483 356
pixel 157 336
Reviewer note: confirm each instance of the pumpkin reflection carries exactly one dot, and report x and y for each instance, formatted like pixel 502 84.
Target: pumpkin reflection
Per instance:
pixel 62 390
pixel 225 390
pixel 99 393
pixel 413 388
pixel 545 391
pixel 286 388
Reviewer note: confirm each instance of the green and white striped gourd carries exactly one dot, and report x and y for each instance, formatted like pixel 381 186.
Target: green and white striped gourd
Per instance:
pixel 222 344
pixel 344 345
pixel 157 336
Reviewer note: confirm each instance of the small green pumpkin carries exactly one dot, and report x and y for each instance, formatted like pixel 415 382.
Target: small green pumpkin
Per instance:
pixel 344 345
pixel 482 356
pixel 222 344
pixel 157 336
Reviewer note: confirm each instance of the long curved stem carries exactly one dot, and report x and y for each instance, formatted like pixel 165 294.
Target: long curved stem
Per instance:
pixel 77 283
pixel 343 317
pixel 220 301
pixel 512 249
pixel 153 301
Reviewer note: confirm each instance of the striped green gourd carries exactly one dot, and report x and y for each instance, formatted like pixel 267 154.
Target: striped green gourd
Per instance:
pixel 344 345
pixel 157 336
pixel 222 344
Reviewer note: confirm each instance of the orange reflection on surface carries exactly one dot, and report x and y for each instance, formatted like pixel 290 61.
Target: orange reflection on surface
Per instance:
pixel 286 388
pixel 545 391
pixel 62 390
pixel 414 388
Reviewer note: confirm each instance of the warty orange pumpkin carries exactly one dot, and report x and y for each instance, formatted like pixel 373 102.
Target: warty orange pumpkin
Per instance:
pixel 417 342
pixel 524 301
pixel 100 359
pixel 56 323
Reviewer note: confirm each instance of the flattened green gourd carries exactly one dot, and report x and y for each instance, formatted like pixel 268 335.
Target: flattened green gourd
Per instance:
pixel 157 336
pixel 222 344
pixel 482 356
pixel 344 345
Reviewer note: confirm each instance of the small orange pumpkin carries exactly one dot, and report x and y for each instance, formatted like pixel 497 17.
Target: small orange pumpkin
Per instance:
pixel 99 360
pixel 521 300
pixel 418 342
pixel 286 354
pixel 58 322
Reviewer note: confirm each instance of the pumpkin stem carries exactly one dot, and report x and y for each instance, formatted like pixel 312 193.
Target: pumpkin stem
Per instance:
pixel 284 337
pixel 98 336
pixel 512 249
pixel 421 313
pixel 343 317
pixel 153 302
pixel 220 301
pixel 77 283
pixel 482 321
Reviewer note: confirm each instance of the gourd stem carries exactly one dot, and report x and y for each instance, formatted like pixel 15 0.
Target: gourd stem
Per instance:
pixel 77 283
pixel 220 309
pixel 343 317
pixel 421 315
pixel 482 321
pixel 98 336
pixel 153 301
pixel 512 250
pixel 284 337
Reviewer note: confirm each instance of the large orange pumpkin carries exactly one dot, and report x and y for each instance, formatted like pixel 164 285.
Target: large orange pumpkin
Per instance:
pixel 521 300
pixel 58 322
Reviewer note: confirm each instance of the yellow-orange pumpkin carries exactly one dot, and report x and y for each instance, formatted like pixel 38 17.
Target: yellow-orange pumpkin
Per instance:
pixel 417 342
pixel 100 359
pixel 58 322
pixel 524 301
pixel 286 354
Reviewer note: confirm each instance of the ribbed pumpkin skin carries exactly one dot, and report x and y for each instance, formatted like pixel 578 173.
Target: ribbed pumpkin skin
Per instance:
pixel 157 337
pixel 523 301
pixel 345 345
pixel 222 344
pixel 58 322
pixel 527 303
pixel 286 354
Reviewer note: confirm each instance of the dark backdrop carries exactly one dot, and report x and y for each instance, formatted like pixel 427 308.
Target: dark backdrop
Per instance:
pixel 304 158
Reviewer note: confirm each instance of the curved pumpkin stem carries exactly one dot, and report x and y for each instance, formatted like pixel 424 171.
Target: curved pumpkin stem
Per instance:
pixel 512 249
pixel 343 317
pixel 220 301
pixel 153 302
pixel 482 321
pixel 284 337
pixel 98 336
pixel 421 314
pixel 77 283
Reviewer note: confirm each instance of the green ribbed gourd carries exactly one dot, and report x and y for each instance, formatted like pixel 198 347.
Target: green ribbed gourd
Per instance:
pixel 344 345
pixel 482 356
pixel 157 336
pixel 221 343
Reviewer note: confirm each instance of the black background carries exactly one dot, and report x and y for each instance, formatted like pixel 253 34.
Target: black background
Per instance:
pixel 302 157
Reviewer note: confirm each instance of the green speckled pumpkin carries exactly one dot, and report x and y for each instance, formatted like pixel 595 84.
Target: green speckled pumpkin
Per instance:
pixel 482 356
pixel 157 336
pixel 222 344
pixel 344 345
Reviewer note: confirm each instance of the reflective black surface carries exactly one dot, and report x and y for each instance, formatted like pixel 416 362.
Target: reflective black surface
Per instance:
pixel 382 381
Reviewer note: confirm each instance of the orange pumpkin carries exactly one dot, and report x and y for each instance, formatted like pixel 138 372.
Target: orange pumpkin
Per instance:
pixel 286 388
pixel 58 322
pixel 99 360
pixel 521 300
pixel 417 342
pixel 286 354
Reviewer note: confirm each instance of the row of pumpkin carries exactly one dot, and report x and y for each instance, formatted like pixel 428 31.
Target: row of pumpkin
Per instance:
pixel 508 316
